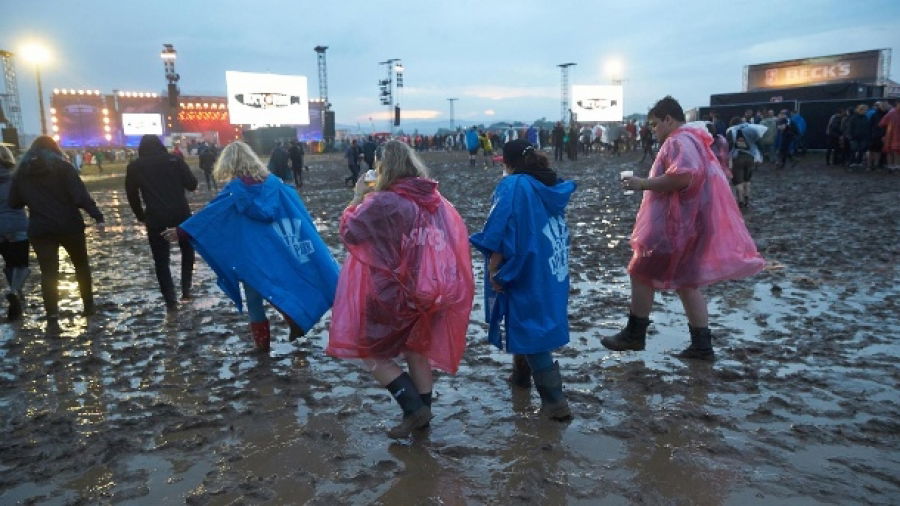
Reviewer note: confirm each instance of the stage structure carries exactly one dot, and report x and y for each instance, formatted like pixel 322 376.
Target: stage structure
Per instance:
pixel 9 99
pixel 266 99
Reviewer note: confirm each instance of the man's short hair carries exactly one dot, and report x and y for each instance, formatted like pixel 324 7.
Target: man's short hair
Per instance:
pixel 667 106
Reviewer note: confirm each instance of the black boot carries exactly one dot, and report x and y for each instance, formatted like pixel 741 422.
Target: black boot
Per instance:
pixel 521 372
pixel 416 414
pixel 17 278
pixel 553 400
pixel 701 345
pixel 632 337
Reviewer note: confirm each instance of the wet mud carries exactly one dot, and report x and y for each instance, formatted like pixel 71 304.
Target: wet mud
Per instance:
pixel 802 406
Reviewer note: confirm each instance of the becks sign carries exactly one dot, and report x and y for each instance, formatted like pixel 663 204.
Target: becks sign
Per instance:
pixel 863 67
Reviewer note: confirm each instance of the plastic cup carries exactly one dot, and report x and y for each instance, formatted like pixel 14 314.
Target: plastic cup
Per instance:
pixel 622 175
pixel 370 178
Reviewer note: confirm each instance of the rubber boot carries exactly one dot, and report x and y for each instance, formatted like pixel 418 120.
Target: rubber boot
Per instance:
pixel 261 335
pixel 17 278
pixel 553 401
pixel 701 345
pixel 632 337
pixel 521 372
pixel 416 414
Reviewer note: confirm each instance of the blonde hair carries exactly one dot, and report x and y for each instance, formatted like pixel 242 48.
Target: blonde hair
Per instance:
pixel 239 160
pixel 398 161
pixel 6 157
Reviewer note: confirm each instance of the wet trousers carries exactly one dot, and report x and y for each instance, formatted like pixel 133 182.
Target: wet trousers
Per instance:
pixel 46 249
pixel 15 254
pixel 159 246
pixel 254 304
pixel 540 361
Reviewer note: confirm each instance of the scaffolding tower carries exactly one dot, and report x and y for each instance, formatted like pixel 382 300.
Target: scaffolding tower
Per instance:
pixel 564 92
pixel 323 76
pixel 11 104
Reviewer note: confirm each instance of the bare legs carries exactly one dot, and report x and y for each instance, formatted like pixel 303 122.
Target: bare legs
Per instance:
pixel 692 300
pixel 386 371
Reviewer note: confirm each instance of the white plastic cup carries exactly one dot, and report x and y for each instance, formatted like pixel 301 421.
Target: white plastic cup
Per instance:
pixel 370 177
pixel 622 175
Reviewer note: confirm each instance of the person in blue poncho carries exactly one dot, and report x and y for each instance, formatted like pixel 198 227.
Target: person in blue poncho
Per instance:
pixel 525 242
pixel 473 142
pixel 258 233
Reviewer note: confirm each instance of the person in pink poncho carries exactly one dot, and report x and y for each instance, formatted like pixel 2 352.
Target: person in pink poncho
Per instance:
pixel 688 232
pixel 406 286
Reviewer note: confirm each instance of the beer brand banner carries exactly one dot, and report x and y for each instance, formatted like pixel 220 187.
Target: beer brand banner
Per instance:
pixel 864 67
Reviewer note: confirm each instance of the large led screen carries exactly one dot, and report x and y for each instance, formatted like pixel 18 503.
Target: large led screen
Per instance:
pixel 266 99
pixel 141 124
pixel 597 103
pixel 79 121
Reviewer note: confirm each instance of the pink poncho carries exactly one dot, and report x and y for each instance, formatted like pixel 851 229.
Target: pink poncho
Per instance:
pixel 696 236
pixel 406 284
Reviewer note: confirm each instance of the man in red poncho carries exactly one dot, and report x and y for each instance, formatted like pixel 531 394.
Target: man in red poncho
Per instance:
pixel 688 232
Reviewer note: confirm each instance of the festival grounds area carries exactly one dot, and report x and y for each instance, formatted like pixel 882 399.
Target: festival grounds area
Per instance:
pixel 802 406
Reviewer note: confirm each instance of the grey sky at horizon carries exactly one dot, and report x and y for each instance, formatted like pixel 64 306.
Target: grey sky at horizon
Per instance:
pixel 500 61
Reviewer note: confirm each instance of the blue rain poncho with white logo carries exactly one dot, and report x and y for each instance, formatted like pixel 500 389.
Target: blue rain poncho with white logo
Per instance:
pixel 261 234
pixel 527 225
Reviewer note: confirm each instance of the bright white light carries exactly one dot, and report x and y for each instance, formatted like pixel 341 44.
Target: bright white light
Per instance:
pixel 35 53
pixel 56 137
pixel 614 68
pixel 108 137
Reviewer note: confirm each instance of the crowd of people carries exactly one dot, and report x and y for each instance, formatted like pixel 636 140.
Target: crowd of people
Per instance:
pixel 406 286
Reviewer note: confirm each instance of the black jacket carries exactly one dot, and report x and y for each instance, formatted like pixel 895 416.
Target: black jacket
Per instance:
pixel 860 128
pixel 161 180
pixel 53 192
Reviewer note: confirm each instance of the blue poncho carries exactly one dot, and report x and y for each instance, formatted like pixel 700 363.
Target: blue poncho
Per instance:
pixel 262 235
pixel 527 225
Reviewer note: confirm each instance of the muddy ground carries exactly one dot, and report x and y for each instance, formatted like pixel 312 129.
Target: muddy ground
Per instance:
pixel 802 406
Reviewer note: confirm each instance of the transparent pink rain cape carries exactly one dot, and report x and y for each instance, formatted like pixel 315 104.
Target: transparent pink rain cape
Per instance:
pixel 696 236
pixel 406 284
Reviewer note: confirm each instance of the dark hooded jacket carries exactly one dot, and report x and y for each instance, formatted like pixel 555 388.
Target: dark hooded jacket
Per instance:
pixel 13 222
pixel 155 185
pixel 53 191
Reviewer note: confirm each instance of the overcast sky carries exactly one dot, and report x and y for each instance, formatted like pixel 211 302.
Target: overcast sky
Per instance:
pixel 498 58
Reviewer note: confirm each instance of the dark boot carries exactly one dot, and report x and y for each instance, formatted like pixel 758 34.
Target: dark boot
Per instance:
pixel 416 414
pixel 17 277
pixel 521 372
pixel 261 335
pixel 553 401
pixel 632 337
pixel 701 345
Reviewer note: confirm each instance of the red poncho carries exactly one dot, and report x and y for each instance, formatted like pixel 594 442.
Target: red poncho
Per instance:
pixel 406 284
pixel 696 236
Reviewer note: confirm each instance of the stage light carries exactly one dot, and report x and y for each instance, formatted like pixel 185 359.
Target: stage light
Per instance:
pixel 155 95
pixel 53 119
pixel 53 110
pixel 71 91
pixel 108 137
pixel 55 91
pixel 55 128
pixel 106 128
pixel 81 92
pixel 106 120
pixel 105 111
pixel 35 53
pixel 56 137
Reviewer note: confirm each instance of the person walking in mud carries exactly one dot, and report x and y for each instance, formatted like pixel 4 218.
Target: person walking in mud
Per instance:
pixel 688 232
pixel 296 154
pixel 53 192
pixel 13 239
pixel 155 185
pixel 207 160
pixel 525 242
pixel 257 233
pixel 406 286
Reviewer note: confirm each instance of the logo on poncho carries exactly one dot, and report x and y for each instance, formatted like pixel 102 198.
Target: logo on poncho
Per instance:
pixel 558 233
pixel 289 231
